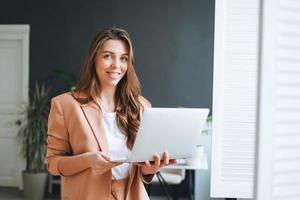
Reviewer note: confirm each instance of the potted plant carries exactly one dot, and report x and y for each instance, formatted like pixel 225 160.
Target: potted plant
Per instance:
pixel 31 139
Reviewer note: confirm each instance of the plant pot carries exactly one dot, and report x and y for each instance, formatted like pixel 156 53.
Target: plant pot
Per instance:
pixel 34 185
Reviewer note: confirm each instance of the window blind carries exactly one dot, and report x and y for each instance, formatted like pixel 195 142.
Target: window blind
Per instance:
pixel 278 174
pixel 234 98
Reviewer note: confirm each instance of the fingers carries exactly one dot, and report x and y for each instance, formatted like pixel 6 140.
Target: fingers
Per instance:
pixel 104 155
pixel 116 163
pixel 153 167
pixel 147 163
pixel 172 161
pixel 166 158
pixel 156 159
pixel 144 163
pixel 157 163
pixel 139 163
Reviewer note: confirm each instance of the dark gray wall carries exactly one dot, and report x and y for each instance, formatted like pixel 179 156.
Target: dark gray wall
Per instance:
pixel 173 42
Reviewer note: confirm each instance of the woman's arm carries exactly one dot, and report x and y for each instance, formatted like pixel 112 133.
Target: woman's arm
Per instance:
pixel 148 170
pixel 59 158
pixel 70 165
pixel 97 161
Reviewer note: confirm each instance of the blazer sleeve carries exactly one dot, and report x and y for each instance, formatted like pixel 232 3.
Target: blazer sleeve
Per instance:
pixel 58 139
pixel 145 178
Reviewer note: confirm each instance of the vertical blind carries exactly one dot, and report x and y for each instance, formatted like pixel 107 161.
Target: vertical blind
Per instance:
pixel 278 175
pixel 234 98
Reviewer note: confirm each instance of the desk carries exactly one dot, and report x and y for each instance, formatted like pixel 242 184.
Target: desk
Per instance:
pixel 201 163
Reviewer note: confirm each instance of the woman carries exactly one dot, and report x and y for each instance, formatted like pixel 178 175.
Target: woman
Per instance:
pixel 98 121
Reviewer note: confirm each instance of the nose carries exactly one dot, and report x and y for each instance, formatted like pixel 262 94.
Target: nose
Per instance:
pixel 117 63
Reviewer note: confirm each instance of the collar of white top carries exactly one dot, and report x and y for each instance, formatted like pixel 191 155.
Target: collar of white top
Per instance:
pixel 109 114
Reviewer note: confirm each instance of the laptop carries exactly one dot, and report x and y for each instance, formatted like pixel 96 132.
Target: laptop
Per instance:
pixel 176 130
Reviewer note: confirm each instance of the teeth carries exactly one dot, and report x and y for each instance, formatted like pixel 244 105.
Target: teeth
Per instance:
pixel 113 73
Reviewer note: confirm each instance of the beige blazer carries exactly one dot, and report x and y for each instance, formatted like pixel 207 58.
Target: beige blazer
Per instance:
pixel 73 129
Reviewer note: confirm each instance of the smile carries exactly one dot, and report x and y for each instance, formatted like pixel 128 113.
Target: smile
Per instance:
pixel 113 75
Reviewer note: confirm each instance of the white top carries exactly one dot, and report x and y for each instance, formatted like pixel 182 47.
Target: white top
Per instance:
pixel 117 145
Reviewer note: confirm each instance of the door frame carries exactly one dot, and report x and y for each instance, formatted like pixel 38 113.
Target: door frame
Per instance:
pixel 19 33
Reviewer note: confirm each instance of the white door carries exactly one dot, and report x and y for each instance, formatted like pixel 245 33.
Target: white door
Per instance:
pixel 278 167
pixel 13 90
pixel 234 98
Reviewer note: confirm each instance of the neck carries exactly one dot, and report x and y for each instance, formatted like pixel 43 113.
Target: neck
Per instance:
pixel 107 99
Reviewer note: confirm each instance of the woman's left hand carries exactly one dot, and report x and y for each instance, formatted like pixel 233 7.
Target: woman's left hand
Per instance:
pixel 153 167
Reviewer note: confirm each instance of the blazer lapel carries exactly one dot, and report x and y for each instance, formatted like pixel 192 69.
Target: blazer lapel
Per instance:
pixel 132 174
pixel 93 115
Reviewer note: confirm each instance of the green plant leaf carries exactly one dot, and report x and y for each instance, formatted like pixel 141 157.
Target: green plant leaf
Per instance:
pixel 32 128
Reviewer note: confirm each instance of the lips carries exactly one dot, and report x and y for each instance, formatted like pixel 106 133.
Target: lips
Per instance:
pixel 113 74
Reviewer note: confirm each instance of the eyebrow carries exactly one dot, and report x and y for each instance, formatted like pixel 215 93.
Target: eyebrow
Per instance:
pixel 114 53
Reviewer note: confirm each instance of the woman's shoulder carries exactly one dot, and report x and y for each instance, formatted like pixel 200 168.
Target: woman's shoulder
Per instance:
pixel 64 99
pixel 145 103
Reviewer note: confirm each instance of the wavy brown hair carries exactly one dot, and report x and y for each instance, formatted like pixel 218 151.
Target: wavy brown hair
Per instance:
pixel 127 105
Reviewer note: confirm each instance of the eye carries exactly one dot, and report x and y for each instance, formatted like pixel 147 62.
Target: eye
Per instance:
pixel 124 58
pixel 107 56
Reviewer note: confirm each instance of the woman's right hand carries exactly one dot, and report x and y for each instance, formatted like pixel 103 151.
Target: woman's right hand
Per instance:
pixel 100 162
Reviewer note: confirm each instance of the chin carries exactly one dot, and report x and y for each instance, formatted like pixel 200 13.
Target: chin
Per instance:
pixel 113 84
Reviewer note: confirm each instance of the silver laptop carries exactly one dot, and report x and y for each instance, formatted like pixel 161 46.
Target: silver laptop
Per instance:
pixel 174 129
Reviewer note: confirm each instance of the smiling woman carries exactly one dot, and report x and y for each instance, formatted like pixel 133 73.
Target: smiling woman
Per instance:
pixel 97 122
pixel 111 63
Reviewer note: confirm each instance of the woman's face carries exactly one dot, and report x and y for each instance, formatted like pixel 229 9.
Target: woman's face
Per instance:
pixel 112 62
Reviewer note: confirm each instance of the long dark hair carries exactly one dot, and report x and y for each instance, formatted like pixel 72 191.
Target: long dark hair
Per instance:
pixel 128 89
